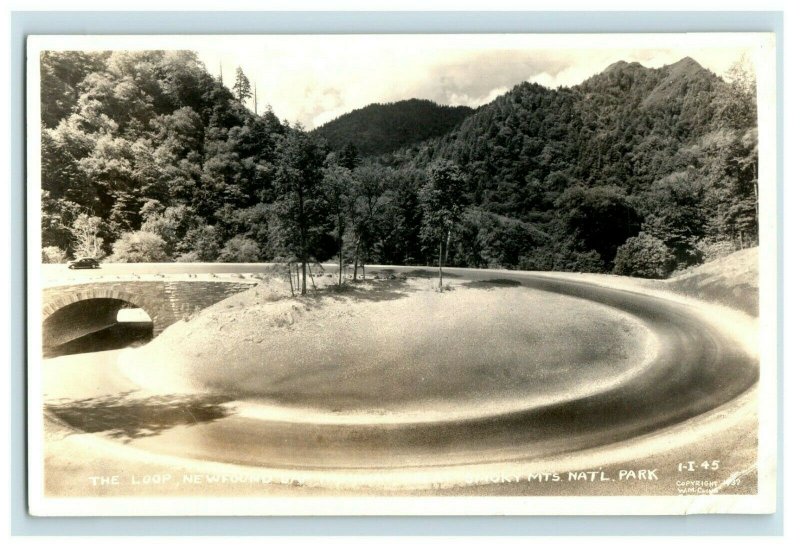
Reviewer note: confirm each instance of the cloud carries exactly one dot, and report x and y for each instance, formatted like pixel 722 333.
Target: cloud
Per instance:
pixel 314 79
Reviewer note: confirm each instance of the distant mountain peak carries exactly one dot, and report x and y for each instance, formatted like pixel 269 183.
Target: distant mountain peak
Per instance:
pixel 685 67
pixel 621 65
pixel 379 128
pixel 616 66
pixel 686 62
pixel 677 77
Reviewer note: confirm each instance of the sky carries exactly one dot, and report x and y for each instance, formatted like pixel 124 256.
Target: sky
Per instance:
pixel 314 79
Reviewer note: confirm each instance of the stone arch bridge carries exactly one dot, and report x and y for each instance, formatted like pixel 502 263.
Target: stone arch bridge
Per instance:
pixel 73 310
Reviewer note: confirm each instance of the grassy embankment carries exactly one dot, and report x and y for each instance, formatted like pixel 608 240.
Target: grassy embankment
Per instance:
pixel 731 281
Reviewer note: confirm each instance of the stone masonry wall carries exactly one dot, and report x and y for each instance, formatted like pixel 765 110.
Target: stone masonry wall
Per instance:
pixel 165 301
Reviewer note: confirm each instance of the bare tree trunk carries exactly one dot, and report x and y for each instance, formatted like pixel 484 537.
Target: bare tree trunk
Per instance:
pixel 303 238
pixel 447 246
pixel 440 264
pixel 755 193
pixel 311 276
pixel 355 261
pixel 297 274
pixel 291 285
pixel 341 253
pixel 341 259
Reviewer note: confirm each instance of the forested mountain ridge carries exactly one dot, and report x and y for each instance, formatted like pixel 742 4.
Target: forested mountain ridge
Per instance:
pixel 669 152
pixel 381 128
pixel 150 142
pixel 145 156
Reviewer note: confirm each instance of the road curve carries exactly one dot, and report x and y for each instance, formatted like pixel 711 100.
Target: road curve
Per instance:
pixel 698 368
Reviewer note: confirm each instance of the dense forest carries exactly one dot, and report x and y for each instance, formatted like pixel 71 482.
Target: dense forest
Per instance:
pixel 380 128
pixel 147 157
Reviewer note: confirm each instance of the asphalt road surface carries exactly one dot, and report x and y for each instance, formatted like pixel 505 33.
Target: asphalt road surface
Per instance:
pixel 57 273
pixel 698 368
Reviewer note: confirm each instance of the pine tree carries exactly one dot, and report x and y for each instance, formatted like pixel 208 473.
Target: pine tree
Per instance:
pixel 241 87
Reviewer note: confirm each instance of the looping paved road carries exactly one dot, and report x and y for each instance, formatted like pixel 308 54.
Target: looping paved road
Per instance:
pixel 698 368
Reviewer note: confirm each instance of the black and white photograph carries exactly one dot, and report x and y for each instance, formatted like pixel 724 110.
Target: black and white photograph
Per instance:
pixel 402 274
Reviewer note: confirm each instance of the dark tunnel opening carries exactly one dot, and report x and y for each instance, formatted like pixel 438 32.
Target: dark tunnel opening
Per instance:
pixel 97 324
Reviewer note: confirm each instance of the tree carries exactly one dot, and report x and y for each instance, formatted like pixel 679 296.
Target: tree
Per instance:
pixel 337 181
pixel 678 218
pixel 735 99
pixel 365 199
pixel 176 225
pixel 735 162
pixel 201 245
pixel 251 222
pixel 138 247
pixel 348 157
pixel 61 74
pixel 57 218
pixel 443 199
pixel 601 218
pixel 239 249
pixel 86 241
pixel 644 256
pixel 495 241
pixel 169 164
pixel 53 255
pixel 400 219
pixel 241 86
pixel 298 209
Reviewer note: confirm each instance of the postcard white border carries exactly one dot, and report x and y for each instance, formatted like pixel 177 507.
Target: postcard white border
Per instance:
pixel 763 54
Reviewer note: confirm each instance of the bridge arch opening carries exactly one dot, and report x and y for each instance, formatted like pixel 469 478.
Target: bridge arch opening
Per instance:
pixel 97 323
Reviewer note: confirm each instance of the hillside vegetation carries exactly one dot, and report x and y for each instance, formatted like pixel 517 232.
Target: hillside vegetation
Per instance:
pixel 380 128
pixel 145 156
pixel 670 153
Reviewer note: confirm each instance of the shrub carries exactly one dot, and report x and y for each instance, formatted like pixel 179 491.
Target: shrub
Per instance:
pixel 191 256
pixel 644 256
pixel 240 249
pixel 586 262
pixel 53 255
pixel 139 247
pixel 712 250
pixel 562 260
pixel 202 244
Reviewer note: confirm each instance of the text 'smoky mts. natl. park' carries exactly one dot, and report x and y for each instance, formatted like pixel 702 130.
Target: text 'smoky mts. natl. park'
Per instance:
pixel 501 273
